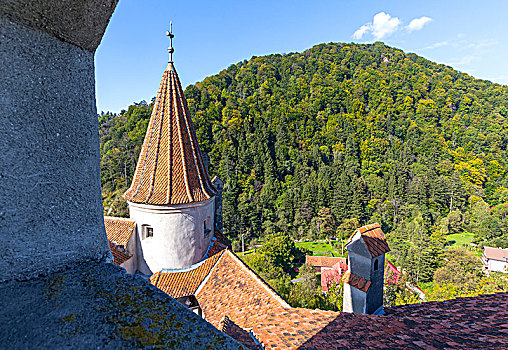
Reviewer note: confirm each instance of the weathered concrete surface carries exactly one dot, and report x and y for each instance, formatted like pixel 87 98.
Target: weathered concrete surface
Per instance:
pixel 50 200
pixel 99 306
pixel 78 22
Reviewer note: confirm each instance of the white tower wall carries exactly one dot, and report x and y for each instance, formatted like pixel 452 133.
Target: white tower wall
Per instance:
pixel 179 238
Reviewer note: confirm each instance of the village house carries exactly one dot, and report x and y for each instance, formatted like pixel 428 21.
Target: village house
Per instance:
pixel 495 259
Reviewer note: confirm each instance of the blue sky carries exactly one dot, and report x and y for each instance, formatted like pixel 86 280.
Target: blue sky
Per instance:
pixel 471 36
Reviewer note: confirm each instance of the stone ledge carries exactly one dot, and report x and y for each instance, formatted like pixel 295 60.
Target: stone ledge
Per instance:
pixel 97 305
pixel 78 22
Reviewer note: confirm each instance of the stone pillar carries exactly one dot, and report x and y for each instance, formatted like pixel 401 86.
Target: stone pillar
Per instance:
pixel 50 199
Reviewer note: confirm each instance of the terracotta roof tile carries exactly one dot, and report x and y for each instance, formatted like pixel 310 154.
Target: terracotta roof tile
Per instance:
pixel 214 248
pixel 289 328
pixel 119 230
pixel 119 255
pixel 170 168
pixel 239 334
pixel 374 239
pixel 183 282
pixel 356 281
pixel 221 238
pixel 235 290
pixel 463 323
pixel 323 261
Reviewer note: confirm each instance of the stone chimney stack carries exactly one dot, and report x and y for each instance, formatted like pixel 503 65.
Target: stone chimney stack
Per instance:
pixel 363 283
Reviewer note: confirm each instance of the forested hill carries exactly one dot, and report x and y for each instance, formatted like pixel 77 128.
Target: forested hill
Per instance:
pixel 317 142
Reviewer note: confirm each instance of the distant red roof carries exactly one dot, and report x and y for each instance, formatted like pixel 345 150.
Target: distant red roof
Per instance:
pixel 356 281
pixel 496 254
pixel 323 261
pixel 332 275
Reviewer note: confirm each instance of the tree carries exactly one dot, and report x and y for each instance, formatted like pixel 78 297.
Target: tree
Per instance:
pixel 325 223
pixel 462 269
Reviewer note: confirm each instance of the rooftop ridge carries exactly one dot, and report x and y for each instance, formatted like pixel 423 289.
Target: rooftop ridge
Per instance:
pixel 118 218
pixel 205 279
pixel 269 289
pixel 373 238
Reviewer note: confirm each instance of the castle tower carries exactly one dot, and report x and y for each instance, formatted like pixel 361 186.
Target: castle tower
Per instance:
pixel 171 197
pixel 364 282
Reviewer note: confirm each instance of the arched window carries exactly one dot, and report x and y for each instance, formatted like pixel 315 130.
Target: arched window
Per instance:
pixel 376 264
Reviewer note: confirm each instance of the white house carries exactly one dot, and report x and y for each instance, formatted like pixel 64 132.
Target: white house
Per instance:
pixel 495 259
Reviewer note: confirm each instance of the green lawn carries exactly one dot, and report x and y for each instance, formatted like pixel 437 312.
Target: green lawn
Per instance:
pixel 321 246
pixel 459 239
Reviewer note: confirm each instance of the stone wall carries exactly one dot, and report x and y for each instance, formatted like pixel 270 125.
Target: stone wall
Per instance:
pixel 50 200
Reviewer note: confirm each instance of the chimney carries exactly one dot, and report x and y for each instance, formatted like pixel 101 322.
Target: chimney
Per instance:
pixel 363 283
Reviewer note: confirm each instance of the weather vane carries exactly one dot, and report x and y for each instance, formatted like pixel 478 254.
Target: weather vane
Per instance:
pixel 171 36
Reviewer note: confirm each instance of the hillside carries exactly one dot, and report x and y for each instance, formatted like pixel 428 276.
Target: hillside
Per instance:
pixel 318 142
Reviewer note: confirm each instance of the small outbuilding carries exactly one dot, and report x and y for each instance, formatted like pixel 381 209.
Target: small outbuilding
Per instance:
pixel 495 259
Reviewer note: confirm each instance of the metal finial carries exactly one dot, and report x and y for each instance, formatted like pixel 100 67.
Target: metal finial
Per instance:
pixel 171 36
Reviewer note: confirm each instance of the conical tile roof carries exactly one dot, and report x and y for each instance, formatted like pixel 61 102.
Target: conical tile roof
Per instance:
pixel 170 167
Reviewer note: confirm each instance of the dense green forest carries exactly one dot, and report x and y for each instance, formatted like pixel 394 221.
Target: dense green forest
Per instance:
pixel 311 144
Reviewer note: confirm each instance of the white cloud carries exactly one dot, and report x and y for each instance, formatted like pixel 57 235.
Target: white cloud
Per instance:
pixel 418 23
pixel 384 25
pixel 482 44
pixel 361 31
pixel 436 45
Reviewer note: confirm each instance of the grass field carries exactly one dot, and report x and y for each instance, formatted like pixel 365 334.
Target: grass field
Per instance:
pixel 320 246
pixel 459 239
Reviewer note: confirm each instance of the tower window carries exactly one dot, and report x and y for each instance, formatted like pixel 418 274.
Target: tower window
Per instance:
pixel 376 265
pixel 206 227
pixel 147 231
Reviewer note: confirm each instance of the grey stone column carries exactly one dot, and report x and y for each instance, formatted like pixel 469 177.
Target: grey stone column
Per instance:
pixel 50 199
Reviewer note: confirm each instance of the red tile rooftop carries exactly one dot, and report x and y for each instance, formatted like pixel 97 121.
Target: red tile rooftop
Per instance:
pixel 119 230
pixel 356 281
pixel 323 261
pixel 463 323
pixel 496 253
pixel 233 289
pixel 119 255
pixel 289 328
pixel 374 239
pixel 170 168
pixel 184 282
